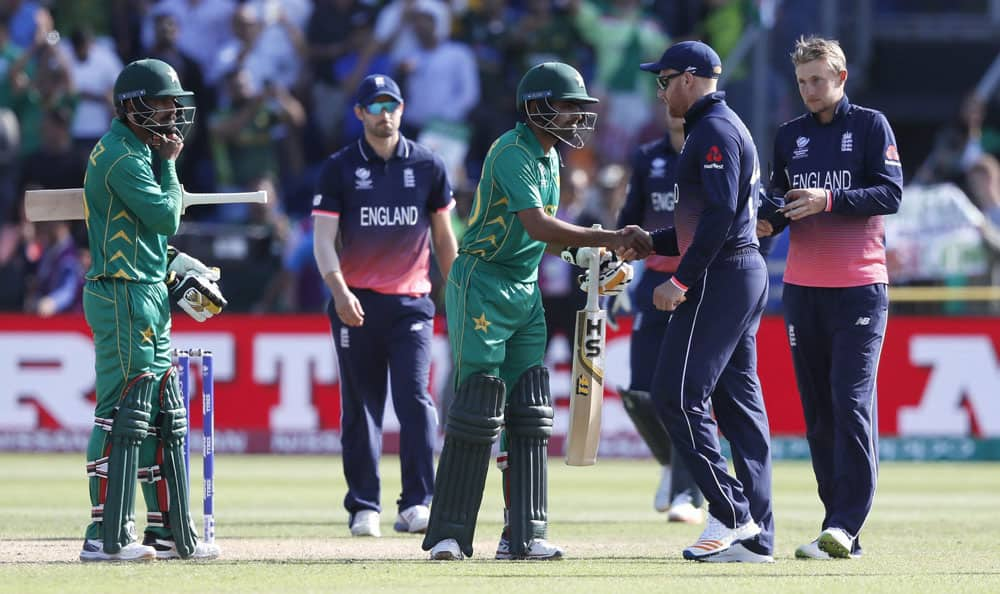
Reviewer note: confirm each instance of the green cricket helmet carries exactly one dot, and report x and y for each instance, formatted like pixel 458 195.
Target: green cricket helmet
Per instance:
pixel 548 83
pixel 152 78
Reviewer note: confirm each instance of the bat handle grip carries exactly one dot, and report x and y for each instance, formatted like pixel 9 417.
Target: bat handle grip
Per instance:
pixel 593 289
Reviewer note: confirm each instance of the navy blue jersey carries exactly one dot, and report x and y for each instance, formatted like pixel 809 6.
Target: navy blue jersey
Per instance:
pixel 650 199
pixel 718 178
pixel 383 208
pixel 855 158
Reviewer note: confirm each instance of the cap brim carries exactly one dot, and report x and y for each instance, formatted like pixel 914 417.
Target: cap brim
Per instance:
pixel 651 66
pixel 372 97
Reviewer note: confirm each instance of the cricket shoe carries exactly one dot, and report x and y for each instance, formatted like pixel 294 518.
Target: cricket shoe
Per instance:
pixel 836 543
pixel 718 537
pixel 366 523
pixel 93 550
pixel 539 549
pixel 811 551
pixel 413 519
pixel 447 550
pixel 738 554
pixel 661 501
pixel 683 510
pixel 166 548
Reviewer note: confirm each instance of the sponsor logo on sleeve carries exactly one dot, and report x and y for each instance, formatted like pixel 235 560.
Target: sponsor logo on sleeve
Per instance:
pixel 892 156
pixel 713 158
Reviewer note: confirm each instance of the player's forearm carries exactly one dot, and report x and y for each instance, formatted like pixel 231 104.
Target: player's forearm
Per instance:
pixel 551 230
pixel 882 199
pixel 445 251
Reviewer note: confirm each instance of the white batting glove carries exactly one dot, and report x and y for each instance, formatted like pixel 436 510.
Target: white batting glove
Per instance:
pixel 614 277
pixel 182 265
pixel 196 295
pixel 582 256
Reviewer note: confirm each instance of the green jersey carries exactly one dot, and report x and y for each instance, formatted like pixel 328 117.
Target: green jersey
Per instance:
pixel 129 215
pixel 517 175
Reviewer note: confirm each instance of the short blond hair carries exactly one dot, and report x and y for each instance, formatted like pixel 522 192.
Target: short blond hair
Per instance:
pixel 812 48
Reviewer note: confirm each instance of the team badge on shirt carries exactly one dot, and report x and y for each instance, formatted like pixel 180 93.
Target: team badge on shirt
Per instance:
pixel 713 158
pixel 409 180
pixel 657 167
pixel 846 142
pixel 801 148
pixel 362 179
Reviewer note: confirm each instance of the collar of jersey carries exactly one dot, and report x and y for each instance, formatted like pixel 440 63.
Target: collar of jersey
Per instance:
pixel 530 140
pixel 702 105
pixel 838 112
pixel 121 129
pixel 368 153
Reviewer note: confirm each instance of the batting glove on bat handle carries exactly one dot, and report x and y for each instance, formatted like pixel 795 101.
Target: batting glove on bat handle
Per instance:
pixel 198 296
pixel 615 276
pixel 182 265
pixel 582 256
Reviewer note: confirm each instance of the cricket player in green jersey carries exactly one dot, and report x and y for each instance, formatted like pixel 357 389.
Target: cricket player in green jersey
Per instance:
pixel 132 203
pixel 496 324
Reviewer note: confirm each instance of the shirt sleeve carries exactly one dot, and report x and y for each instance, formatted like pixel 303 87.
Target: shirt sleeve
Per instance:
pixel 631 212
pixel 720 150
pixel 882 188
pixel 777 187
pixel 516 172
pixel 158 205
pixel 327 200
pixel 441 195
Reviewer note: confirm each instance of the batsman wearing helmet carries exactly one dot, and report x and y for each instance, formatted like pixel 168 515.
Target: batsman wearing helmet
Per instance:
pixel 496 324
pixel 132 203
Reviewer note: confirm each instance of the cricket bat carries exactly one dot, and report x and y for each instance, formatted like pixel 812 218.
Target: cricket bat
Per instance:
pixel 587 389
pixel 67 205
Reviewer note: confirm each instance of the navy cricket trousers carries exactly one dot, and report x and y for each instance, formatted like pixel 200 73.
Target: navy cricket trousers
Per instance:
pixel 648 329
pixel 393 343
pixel 836 336
pixel 708 362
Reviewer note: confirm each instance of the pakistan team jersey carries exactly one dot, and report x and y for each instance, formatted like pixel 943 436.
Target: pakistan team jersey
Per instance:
pixel 128 214
pixel 517 175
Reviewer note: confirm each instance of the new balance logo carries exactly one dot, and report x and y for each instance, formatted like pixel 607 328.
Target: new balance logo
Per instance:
pixel 791 336
pixel 863 321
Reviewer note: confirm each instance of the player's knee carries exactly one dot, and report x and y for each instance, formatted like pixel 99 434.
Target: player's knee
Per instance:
pixel 529 412
pixel 475 415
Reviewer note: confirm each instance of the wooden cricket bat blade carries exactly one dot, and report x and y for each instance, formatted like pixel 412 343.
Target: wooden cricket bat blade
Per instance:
pixel 67 204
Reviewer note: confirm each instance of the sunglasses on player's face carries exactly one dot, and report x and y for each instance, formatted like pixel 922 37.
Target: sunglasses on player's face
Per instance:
pixel 382 106
pixel 664 81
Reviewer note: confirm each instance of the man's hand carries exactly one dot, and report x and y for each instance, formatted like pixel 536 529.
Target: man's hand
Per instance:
pixel 764 228
pixel 348 308
pixel 668 296
pixel 803 202
pixel 614 276
pixel 634 243
pixel 197 295
pixel 169 147
pixel 182 265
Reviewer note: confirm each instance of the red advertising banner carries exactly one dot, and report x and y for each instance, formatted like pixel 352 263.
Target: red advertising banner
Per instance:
pixel 276 381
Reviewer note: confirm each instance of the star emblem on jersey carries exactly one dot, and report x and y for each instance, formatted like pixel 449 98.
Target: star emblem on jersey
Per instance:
pixel 713 158
pixel 148 335
pixel 481 322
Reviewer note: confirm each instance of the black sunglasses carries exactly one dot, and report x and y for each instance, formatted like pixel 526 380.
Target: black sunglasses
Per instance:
pixel 664 81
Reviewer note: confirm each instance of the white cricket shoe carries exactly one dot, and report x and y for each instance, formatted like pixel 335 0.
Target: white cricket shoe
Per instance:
pixel 366 523
pixel 539 549
pixel 661 501
pixel 166 548
pixel 738 554
pixel 811 551
pixel 836 543
pixel 447 550
pixel 683 510
pixel 718 537
pixel 93 550
pixel 413 519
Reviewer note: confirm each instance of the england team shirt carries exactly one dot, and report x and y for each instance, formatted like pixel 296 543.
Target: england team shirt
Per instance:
pixel 517 175
pixel 718 178
pixel 384 208
pixel 650 199
pixel 855 159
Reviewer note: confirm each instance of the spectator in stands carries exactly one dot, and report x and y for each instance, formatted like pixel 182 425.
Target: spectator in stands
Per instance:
pixel 205 26
pixel 40 80
pixel 621 38
pixel 267 53
pixel 441 79
pixel 58 281
pixel 23 18
pixel 394 29
pixel 10 129
pixel 55 164
pixel 94 68
pixel 244 135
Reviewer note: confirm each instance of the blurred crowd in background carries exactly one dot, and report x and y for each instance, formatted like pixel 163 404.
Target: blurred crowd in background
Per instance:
pixel 274 83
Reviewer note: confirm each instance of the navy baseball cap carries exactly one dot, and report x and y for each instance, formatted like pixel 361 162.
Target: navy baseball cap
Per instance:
pixel 375 85
pixel 688 56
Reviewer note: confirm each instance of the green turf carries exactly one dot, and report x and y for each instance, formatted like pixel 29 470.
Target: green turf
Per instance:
pixel 935 528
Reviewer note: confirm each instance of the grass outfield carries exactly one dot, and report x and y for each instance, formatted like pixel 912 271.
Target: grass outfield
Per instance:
pixel 281 526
